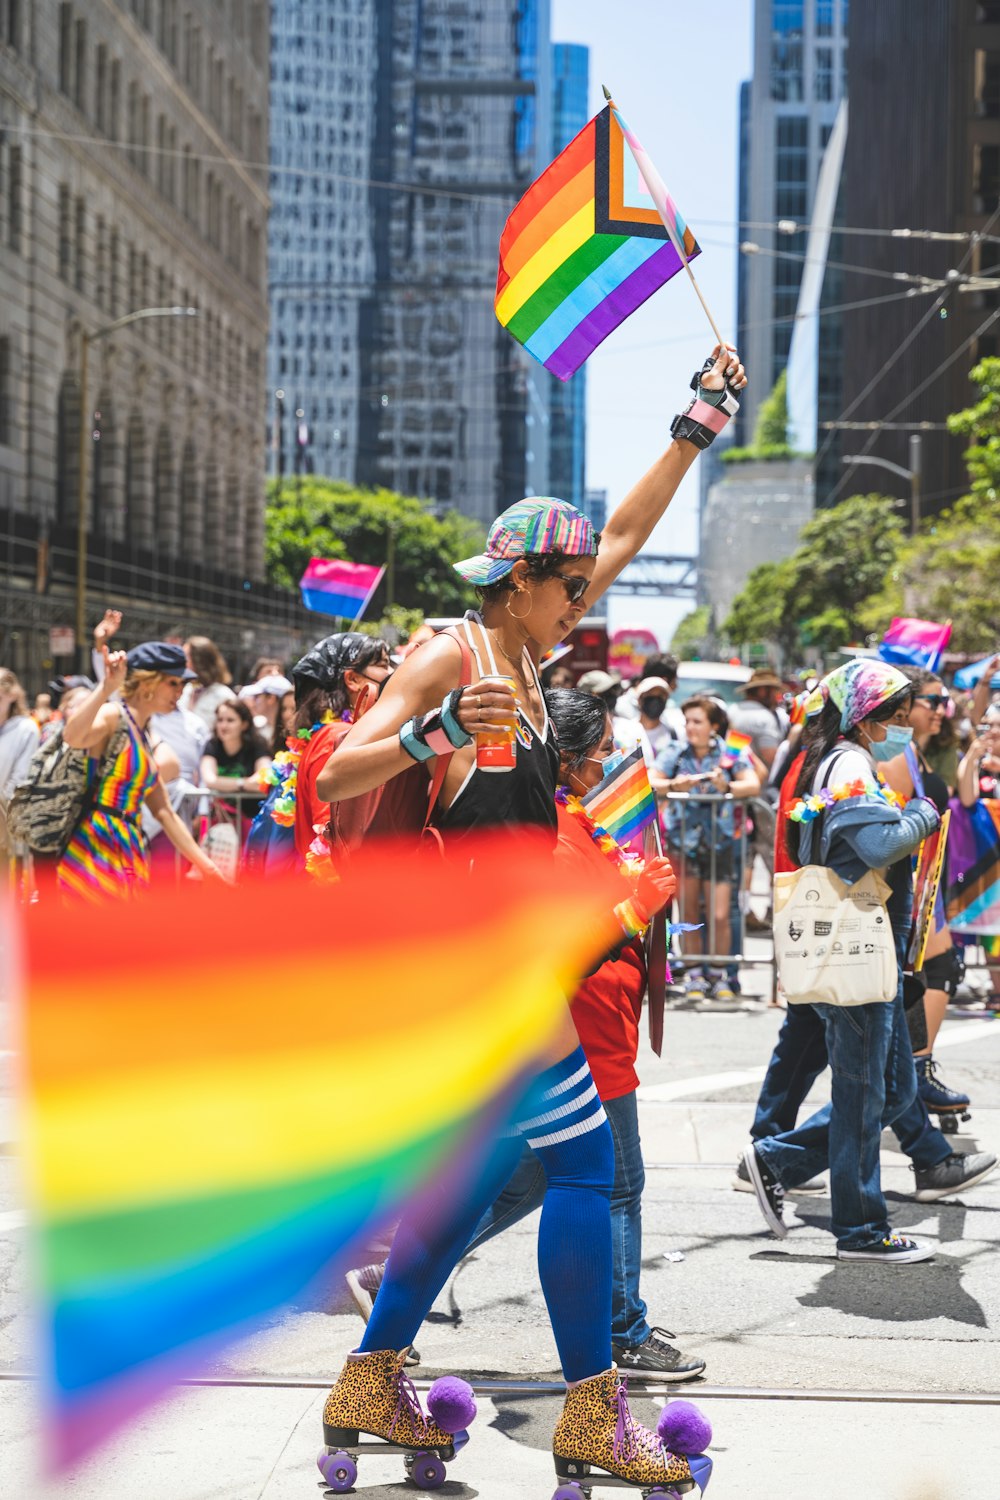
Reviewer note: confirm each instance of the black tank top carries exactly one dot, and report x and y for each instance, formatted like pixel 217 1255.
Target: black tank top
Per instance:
pixel 523 797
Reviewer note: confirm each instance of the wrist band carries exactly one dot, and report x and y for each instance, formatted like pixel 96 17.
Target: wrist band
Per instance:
pixel 449 720
pixel 630 918
pixel 703 419
pixel 409 738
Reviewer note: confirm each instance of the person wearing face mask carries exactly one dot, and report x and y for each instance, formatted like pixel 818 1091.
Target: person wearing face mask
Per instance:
pixel 859 720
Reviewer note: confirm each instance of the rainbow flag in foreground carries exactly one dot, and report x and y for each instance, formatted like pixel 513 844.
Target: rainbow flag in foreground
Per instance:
pixel 202 1138
pixel 915 643
pixel 586 246
pixel 624 803
pixel 972 899
pixel 344 589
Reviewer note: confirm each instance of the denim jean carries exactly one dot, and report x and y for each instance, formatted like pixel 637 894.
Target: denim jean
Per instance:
pixel 526 1189
pixel 873 1085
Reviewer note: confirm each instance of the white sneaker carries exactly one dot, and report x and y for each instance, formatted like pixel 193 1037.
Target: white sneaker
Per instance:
pixel 894 1250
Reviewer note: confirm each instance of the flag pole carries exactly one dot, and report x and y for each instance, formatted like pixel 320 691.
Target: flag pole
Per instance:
pixel 658 193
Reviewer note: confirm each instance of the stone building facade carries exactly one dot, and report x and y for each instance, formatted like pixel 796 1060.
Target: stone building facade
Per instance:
pixel 133 175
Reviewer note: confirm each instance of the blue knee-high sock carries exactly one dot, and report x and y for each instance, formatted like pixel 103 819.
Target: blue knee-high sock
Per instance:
pixel 574 1143
pixel 428 1245
pixel 569 1132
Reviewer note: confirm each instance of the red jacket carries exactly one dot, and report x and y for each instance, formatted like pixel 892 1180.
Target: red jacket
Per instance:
pixel 782 864
pixel 607 1007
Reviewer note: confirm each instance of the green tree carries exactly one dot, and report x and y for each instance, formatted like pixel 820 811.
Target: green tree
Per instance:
pixel 693 634
pixel 820 595
pixel 770 434
pixel 317 517
pixel 981 423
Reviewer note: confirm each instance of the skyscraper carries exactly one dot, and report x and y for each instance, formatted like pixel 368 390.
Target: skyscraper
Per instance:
pixel 403 131
pixel 568 401
pixel 799 78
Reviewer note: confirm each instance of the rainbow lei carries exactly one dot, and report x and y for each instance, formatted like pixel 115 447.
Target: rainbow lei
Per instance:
pixel 808 808
pixel 283 772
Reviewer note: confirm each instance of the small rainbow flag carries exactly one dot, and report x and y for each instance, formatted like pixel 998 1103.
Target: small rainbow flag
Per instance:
pixel 915 643
pixel 344 589
pixel 624 803
pixel 736 747
pixel 586 246
pixel 202 1140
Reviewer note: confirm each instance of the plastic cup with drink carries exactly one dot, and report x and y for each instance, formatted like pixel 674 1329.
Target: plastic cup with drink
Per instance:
pixel 496 747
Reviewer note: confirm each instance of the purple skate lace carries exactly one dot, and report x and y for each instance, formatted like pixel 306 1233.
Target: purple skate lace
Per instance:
pixel 632 1440
pixel 408 1404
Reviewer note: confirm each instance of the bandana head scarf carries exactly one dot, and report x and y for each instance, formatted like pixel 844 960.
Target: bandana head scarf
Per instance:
pixel 857 688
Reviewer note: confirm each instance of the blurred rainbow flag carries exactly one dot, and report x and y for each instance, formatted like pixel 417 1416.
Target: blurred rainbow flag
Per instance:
pixel 915 643
pixel 735 748
pixel 207 1123
pixel 623 803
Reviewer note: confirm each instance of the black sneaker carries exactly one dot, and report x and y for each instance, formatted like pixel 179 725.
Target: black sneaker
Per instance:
pixel 952 1175
pixel 363 1283
pixel 814 1188
pixel 656 1359
pixel 894 1250
pixel 770 1193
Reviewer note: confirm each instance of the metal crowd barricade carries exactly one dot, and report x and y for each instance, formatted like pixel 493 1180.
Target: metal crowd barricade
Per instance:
pixel 684 812
pixel 204 809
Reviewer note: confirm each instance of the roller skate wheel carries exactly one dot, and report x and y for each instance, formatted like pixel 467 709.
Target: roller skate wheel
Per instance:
pixel 339 1470
pixel 427 1471
pixel 570 1490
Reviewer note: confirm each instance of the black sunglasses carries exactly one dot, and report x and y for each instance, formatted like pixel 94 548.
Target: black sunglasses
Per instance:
pixel 574 584
pixel 934 701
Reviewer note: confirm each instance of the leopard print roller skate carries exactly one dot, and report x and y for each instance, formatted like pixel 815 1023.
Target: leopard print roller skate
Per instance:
pixel 598 1443
pixel 374 1408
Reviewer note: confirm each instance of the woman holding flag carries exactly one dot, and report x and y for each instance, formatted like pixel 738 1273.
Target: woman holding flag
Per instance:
pixel 540 570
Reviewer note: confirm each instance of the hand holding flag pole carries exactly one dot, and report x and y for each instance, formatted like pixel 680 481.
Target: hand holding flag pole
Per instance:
pixel 658 192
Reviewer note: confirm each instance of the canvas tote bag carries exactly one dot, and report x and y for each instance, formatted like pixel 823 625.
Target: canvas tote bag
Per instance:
pixel 833 943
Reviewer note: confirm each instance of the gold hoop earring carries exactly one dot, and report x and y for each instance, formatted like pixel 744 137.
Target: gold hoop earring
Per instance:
pixel 147 696
pixel 511 597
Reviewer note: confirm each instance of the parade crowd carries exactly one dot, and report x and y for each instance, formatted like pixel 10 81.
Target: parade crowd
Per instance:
pixel 188 774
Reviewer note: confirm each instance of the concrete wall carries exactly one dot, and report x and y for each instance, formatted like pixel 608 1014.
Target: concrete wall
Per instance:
pixel 752 515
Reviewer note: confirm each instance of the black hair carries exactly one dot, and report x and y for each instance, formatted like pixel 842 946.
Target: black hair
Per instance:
pixel 581 722
pixel 820 736
pixel 946 736
pixel 919 677
pixel 352 652
pixel 541 565
pixel 664 665
pixel 712 709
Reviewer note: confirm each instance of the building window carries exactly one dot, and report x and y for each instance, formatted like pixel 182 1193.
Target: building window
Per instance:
pixel 144 136
pixel 13 35
pixel 987 85
pixel 80 69
pixel 115 101
pixel 988 13
pixel 786 51
pixel 101 89
pixel 985 178
pixel 80 245
pixel 65 235
pixel 6 395
pixel 66 49
pixel 791 170
pixel 114 251
pixel 823 77
pixel 101 278
pixel 14 193
pixel 824 17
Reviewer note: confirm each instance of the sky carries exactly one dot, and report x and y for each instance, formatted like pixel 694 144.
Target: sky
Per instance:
pixel 674 69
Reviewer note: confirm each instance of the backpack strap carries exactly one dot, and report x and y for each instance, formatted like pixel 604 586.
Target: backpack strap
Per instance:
pixel 442 762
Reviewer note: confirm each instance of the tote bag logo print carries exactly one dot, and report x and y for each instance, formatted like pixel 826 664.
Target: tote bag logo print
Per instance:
pixel 858 965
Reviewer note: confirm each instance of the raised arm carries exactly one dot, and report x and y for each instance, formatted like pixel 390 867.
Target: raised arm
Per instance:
pixel 90 726
pixel 631 523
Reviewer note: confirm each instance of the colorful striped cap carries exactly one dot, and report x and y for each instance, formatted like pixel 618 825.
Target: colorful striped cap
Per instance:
pixel 539 523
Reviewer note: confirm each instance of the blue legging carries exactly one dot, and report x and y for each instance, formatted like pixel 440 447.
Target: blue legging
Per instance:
pixel 569 1132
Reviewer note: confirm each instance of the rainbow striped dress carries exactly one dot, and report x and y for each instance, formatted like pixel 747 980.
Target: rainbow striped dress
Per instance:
pixel 107 855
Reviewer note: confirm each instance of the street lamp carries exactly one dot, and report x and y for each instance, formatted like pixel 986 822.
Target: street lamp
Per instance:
pixel 913 474
pixel 86 339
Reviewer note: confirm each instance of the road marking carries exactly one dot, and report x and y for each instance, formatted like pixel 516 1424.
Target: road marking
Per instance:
pixel 710 1083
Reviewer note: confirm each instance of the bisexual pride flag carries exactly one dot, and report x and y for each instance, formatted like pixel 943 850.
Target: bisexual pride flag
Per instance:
pixel 915 643
pixel 344 589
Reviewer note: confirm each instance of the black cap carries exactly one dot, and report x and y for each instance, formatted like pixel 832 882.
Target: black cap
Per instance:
pixel 160 656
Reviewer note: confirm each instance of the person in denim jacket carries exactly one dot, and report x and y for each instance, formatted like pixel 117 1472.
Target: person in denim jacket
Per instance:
pixel 859 718
pixel 701 835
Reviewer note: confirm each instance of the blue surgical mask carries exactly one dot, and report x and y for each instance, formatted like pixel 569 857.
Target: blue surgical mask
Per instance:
pixel 612 763
pixel 897 737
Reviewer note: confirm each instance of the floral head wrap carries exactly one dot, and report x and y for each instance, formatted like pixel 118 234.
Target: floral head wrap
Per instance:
pixel 857 688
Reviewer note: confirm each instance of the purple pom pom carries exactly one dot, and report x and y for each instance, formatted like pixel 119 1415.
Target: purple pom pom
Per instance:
pixel 451 1403
pixel 683 1428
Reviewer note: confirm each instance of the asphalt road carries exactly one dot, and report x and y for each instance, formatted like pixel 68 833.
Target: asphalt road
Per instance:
pixel 824 1380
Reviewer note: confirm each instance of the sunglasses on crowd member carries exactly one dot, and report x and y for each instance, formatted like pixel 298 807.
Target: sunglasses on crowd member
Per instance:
pixel 934 701
pixel 574 584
